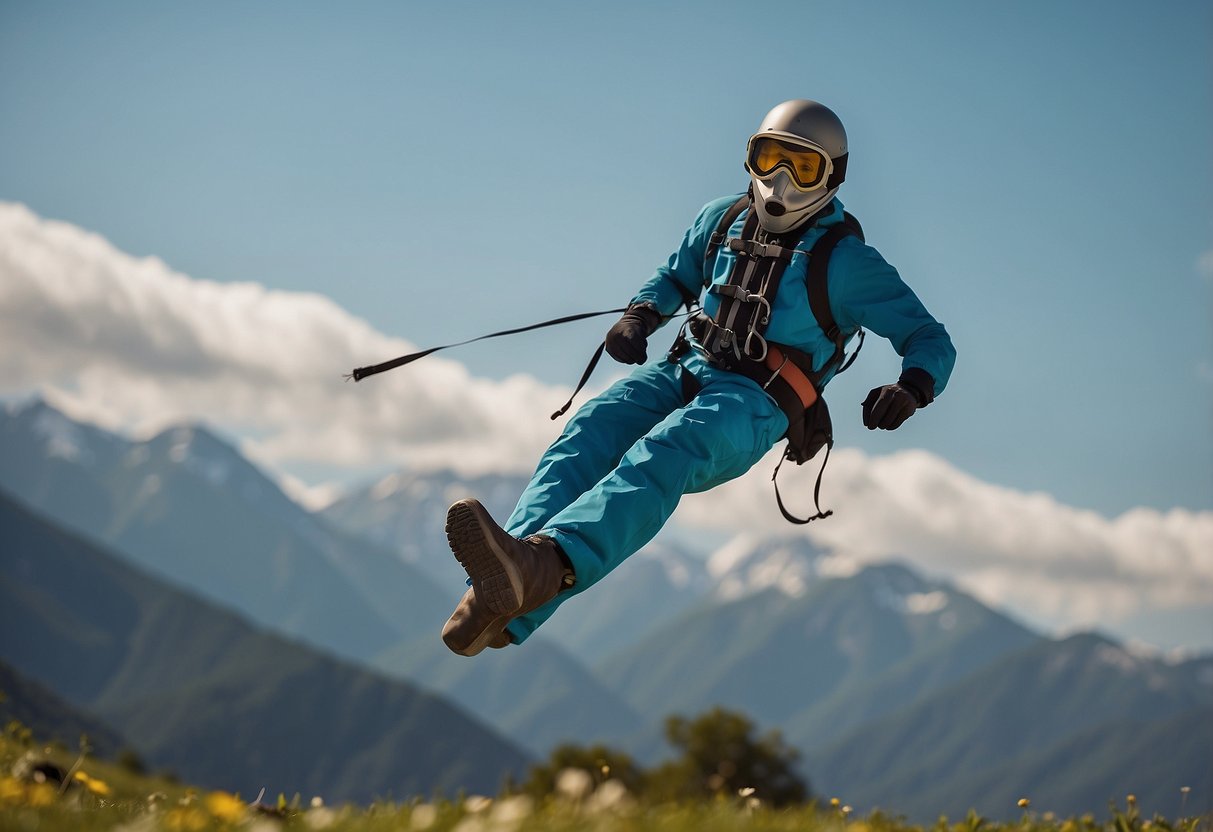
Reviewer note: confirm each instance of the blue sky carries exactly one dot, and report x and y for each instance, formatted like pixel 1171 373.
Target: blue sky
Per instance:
pixel 1039 172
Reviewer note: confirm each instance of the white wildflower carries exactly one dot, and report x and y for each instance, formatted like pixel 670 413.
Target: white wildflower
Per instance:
pixel 320 818
pixel 511 811
pixel 424 816
pixel 574 783
pixel 610 796
pixel 477 803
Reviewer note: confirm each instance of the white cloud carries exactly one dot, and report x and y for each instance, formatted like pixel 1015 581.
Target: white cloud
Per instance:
pixel 131 344
pixel 1056 564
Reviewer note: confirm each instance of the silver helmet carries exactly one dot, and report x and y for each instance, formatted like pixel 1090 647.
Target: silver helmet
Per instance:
pixel 796 160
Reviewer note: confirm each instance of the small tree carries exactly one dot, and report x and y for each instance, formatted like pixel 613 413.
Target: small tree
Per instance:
pixel 721 755
pixel 600 762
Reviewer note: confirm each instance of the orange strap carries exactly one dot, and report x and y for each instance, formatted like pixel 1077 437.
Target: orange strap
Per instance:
pixel 777 363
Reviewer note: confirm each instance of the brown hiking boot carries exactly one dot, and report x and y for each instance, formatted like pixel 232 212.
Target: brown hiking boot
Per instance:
pixel 472 627
pixel 510 577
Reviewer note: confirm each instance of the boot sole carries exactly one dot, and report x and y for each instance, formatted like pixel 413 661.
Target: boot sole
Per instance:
pixel 495 578
pixel 485 639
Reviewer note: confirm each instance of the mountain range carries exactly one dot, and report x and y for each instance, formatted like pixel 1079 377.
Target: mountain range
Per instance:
pixel 193 511
pixel 1071 723
pixel 815 664
pixel 200 691
pixel 190 509
pixel 901 691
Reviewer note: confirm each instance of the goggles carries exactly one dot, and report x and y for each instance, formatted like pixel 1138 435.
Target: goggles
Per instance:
pixel 809 165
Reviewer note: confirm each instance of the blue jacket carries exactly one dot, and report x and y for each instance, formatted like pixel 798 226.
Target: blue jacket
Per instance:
pixel 865 291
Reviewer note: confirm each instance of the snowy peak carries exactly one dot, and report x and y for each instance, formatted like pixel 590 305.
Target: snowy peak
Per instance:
pixel 747 565
pixel 898 588
pixel 63 438
pixel 200 452
pixel 683 571
pixel 404 512
pixel 405 489
pixel 1092 655
pixel 58 436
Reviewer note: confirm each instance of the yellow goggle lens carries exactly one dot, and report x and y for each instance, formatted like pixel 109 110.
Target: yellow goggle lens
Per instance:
pixel 807 166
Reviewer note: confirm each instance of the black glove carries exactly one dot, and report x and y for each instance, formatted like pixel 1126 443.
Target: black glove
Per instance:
pixel 887 407
pixel 626 341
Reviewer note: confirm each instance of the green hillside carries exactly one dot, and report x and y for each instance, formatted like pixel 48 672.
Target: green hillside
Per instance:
pixel 49 717
pixel 1055 713
pixel 798 662
pixel 1152 760
pixel 199 690
pixel 538 696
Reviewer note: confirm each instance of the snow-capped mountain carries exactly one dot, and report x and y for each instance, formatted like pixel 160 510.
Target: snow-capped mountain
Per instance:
pixel 190 508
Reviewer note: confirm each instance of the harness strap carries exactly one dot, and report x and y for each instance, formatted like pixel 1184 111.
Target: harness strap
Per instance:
pixel 785 373
pixel 819 293
pixel 585 376
pixel 787 515
pixel 782 367
pixel 722 231
pixel 359 373
pixel 753 248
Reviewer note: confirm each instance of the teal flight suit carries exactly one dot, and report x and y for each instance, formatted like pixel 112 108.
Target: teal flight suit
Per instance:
pixel 624 460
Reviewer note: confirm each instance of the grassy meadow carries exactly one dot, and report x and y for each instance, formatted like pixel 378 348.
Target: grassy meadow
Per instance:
pixel 55 789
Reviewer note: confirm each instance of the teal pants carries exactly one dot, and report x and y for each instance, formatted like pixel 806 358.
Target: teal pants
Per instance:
pixel 617 472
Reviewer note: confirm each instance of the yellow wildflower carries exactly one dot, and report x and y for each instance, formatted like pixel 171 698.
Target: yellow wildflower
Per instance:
pixel 834 802
pixel 226 807
pixel 186 819
pixel 1023 803
pixel 1131 799
pixel 39 795
pixel 97 787
pixel 12 790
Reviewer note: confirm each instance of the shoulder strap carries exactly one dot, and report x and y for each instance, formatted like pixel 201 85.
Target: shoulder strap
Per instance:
pixel 722 231
pixel 818 282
